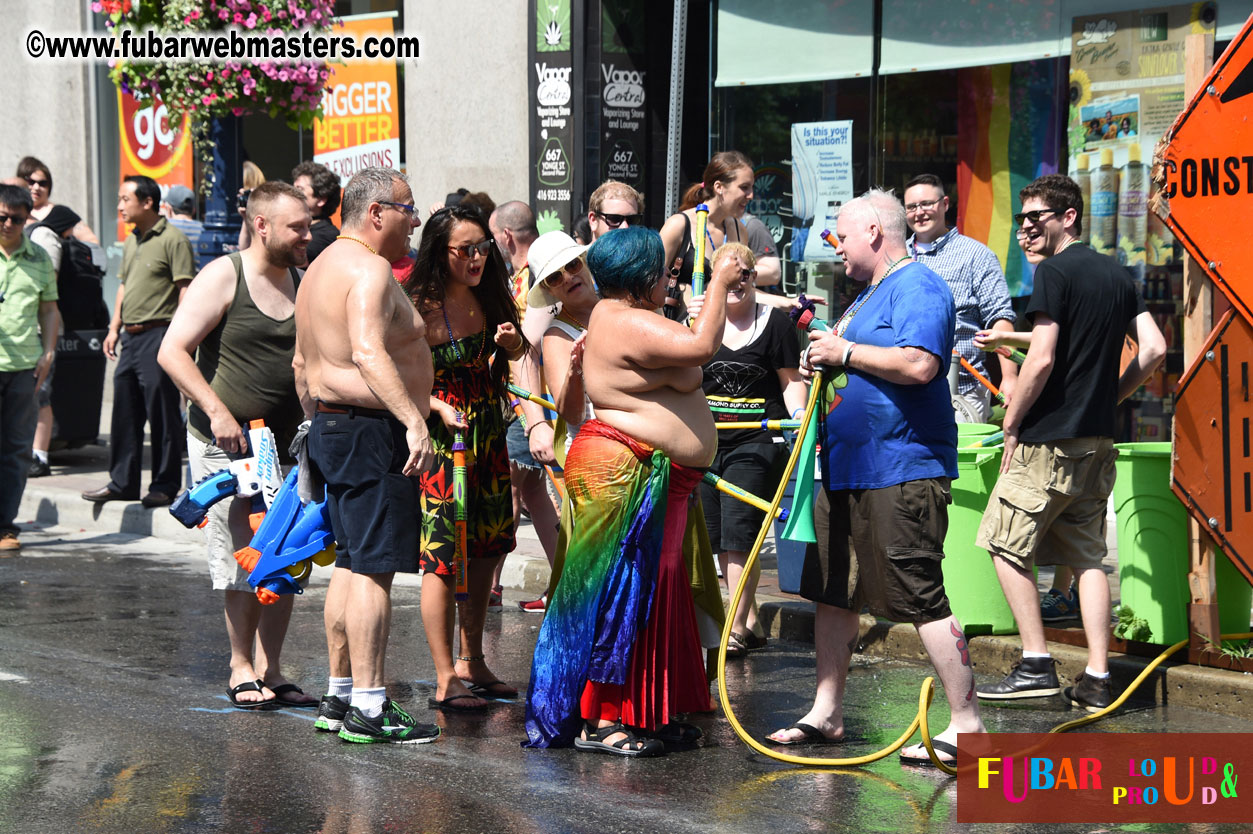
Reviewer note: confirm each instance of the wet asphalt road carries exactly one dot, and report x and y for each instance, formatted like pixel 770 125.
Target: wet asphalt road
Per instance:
pixel 112 678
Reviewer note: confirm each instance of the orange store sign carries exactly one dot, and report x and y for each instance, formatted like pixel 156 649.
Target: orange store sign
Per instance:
pixel 1208 170
pixel 151 146
pixel 360 125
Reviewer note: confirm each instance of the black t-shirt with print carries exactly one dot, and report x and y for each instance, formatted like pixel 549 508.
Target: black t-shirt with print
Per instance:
pixel 1093 299
pixel 743 385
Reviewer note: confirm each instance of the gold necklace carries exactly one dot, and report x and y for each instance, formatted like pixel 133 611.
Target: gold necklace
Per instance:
pixel 373 251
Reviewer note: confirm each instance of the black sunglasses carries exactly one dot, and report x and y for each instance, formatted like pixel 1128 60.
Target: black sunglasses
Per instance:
pixel 1033 216
pixel 613 221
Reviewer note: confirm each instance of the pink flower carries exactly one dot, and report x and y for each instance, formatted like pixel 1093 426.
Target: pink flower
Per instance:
pixel 223 14
pixel 208 76
pixel 96 7
pixel 225 73
pixel 251 21
pixel 195 14
pixel 238 19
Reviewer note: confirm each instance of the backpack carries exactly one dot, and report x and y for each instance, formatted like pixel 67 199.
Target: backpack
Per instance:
pixel 80 288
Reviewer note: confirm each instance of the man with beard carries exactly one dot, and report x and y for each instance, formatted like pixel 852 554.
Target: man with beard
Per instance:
pixel 229 350
pixel 362 355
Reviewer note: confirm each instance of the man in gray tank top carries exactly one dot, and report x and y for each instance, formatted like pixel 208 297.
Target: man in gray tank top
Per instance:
pixel 238 322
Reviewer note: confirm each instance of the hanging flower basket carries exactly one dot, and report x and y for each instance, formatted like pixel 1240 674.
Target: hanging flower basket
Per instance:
pixel 283 89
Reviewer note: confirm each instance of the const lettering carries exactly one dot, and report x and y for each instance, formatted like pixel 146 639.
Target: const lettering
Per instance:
pixel 1208 177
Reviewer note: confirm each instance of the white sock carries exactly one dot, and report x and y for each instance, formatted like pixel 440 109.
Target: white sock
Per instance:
pixel 369 701
pixel 1028 655
pixel 1100 676
pixel 340 688
pixel 42 454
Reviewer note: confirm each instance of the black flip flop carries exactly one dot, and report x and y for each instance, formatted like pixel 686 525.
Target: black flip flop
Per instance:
pixel 447 704
pixel 812 735
pixel 250 686
pixel 925 761
pixel 285 688
pixel 483 690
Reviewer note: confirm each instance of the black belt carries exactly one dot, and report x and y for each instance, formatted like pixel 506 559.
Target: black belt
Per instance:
pixel 143 327
pixel 352 410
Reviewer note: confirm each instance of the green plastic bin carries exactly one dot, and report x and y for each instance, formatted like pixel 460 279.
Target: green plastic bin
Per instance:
pixel 1153 559
pixel 967 432
pixel 970 580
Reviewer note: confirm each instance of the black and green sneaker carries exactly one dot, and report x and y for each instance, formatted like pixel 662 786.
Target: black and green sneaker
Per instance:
pixel 331 712
pixel 394 726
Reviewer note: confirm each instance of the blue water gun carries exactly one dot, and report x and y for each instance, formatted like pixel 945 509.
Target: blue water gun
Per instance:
pixel 257 476
pixel 290 540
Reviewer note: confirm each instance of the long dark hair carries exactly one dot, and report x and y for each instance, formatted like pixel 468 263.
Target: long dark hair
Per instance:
pixel 427 282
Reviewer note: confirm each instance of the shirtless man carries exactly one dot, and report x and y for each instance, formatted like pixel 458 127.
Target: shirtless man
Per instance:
pixel 362 354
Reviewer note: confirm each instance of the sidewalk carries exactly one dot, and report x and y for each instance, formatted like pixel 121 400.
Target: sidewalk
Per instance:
pixel 55 500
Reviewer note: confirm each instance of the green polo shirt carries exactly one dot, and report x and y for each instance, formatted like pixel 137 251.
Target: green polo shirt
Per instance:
pixel 27 279
pixel 151 267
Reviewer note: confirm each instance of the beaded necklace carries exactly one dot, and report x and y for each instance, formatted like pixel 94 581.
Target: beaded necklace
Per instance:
pixel 456 347
pixel 373 251
pixel 847 319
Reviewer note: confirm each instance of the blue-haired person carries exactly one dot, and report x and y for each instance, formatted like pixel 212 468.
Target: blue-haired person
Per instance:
pixel 619 653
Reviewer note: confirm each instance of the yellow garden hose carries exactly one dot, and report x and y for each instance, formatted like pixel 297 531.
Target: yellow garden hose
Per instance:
pixel 928 685
pixel 927 692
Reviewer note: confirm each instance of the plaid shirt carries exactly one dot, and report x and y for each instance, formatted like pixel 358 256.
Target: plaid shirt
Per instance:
pixel 980 293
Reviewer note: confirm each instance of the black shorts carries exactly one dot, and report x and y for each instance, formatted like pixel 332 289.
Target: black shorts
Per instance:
pixel 373 508
pixel 753 467
pixel 882 549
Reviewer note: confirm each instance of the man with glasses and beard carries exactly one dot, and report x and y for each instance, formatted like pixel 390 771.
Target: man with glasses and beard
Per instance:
pixel 1057 469
pixel 29 322
pixel 973 275
pixel 239 316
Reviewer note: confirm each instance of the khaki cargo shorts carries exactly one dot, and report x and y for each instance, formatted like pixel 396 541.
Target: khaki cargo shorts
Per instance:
pixel 1049 508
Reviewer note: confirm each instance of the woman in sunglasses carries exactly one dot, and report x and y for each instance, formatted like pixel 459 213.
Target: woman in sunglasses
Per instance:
pixel 39 182
pixel 618 655
pixel 752 377
pixel 459 285
pixel 726 187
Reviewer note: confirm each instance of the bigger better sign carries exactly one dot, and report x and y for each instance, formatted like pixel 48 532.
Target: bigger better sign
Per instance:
pixel 1207 166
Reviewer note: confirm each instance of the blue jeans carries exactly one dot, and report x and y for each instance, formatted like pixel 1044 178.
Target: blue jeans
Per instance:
pixel 18 413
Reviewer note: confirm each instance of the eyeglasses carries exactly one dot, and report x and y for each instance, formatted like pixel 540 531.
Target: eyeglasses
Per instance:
pixel 18 219
pixel 1033 216
pixel 465 253
pixel 613 221
pixel 925 205
pixel 748 274
pixel 572 268
pixel 34 182
pixel 405 208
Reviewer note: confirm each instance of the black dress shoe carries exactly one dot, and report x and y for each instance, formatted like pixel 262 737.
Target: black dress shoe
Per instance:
pixel 38 468
pixel 106 494
pixel 156 499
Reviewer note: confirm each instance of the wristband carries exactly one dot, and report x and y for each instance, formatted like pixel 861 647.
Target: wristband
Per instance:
pixel 531 427
pixel 797 413
pixel 848 351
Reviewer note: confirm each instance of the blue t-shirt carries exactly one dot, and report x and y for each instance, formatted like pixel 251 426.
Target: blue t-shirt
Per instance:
pixel 880 433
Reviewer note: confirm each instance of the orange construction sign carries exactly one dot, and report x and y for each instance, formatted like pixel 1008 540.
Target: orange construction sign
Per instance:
pixel 1206 172
pixel 1213 453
